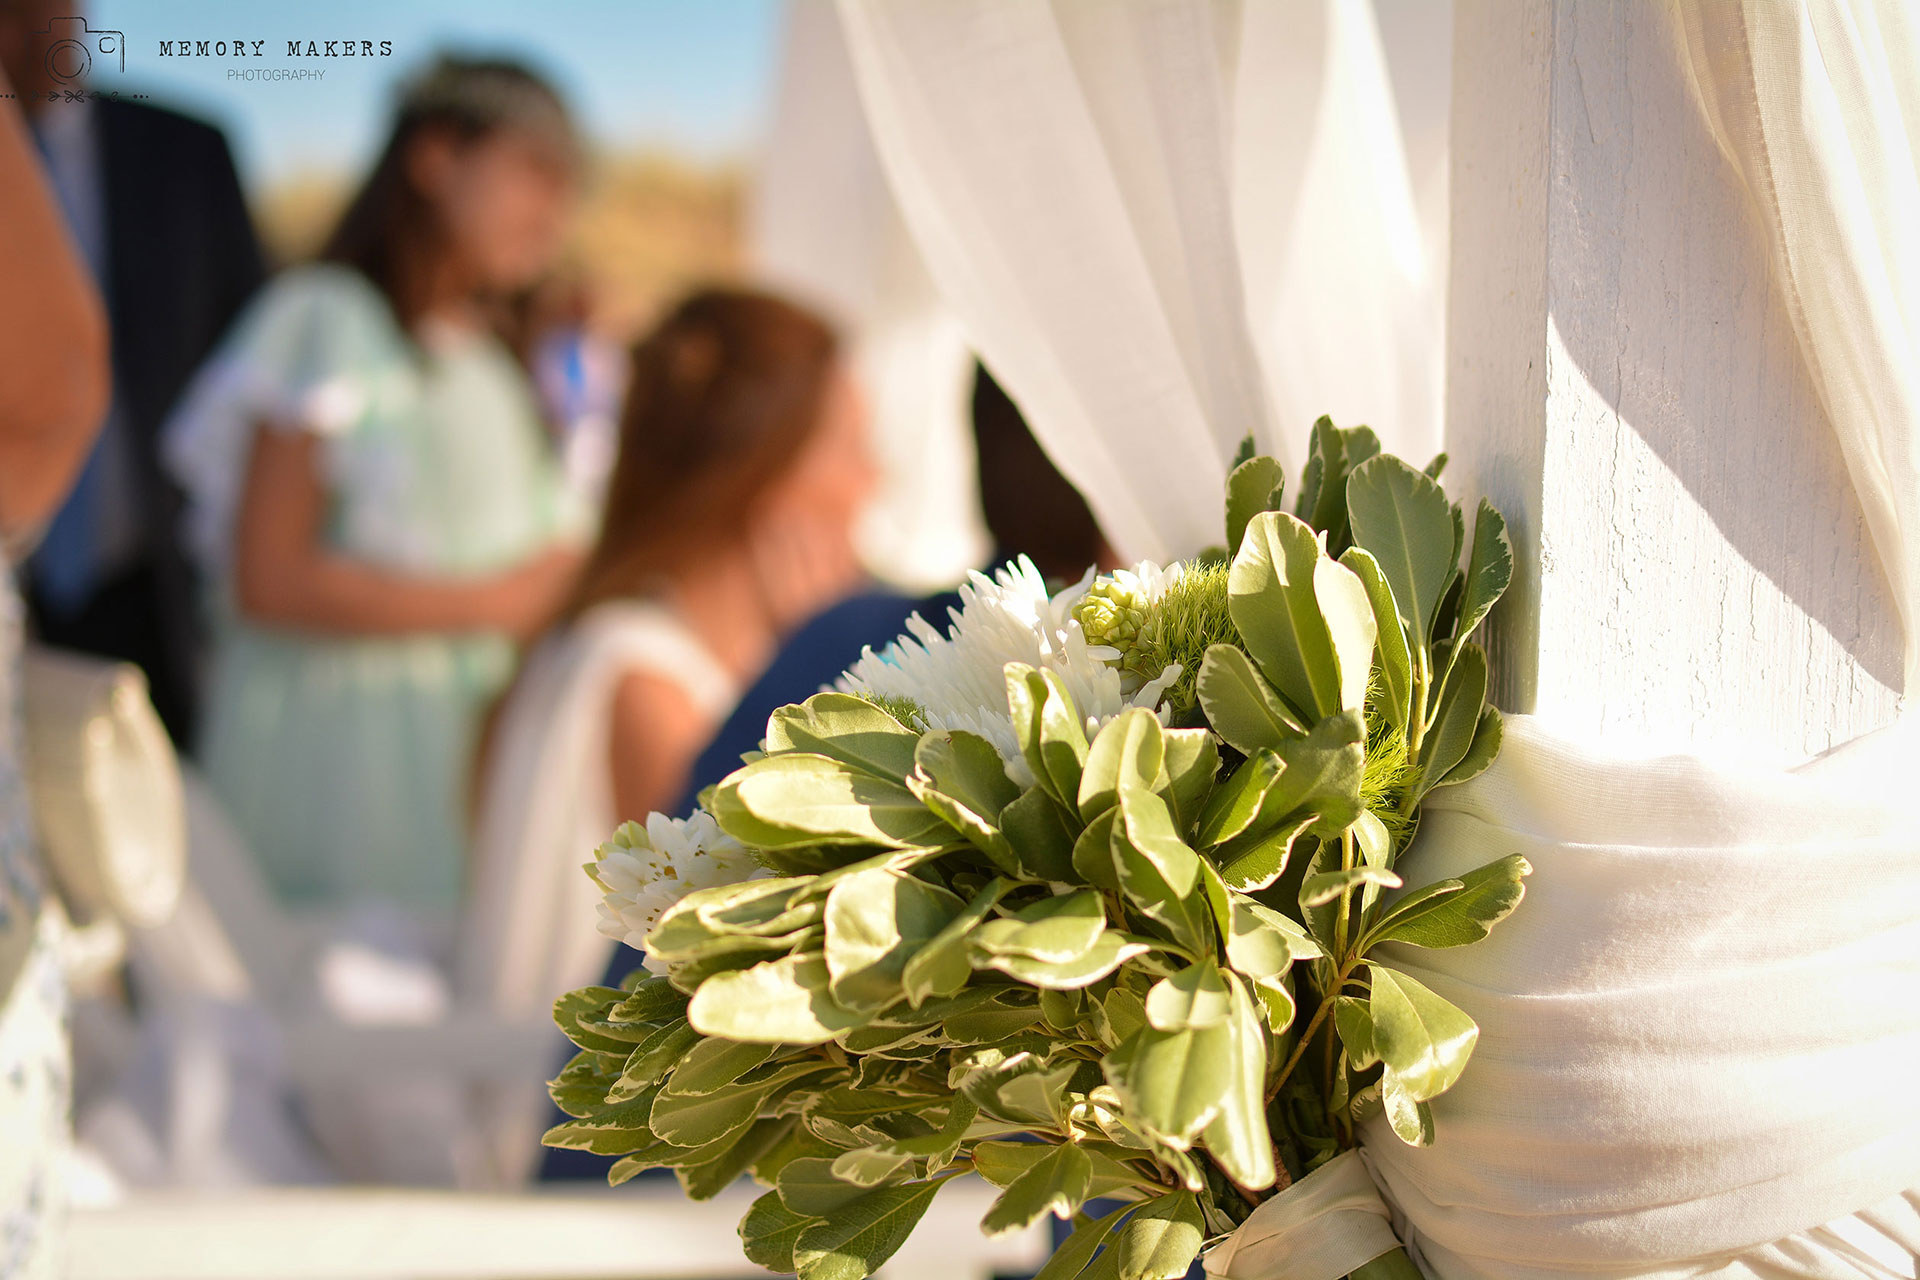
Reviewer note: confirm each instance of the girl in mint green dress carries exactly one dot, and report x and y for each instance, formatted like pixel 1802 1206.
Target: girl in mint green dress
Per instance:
pixel 374 497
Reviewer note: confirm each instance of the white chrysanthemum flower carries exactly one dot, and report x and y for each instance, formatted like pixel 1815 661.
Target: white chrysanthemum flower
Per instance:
pixel 959 679
pixel 644 870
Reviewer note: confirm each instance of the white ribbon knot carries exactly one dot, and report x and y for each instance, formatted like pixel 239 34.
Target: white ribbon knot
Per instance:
pixel 1320 1228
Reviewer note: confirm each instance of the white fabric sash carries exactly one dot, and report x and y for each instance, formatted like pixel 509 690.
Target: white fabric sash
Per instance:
pixel 1320 1228
pixel 1700 1033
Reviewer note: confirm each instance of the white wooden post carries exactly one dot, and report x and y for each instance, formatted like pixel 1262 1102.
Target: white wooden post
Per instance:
pixel 1624 383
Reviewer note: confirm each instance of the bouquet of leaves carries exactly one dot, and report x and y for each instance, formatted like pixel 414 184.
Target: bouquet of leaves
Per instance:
pixel 1087 895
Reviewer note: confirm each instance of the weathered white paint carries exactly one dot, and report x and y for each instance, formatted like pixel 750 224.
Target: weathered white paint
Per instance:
pixel 1624 383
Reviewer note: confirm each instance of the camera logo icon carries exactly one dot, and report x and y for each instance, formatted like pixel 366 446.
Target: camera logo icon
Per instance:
pixel 67 46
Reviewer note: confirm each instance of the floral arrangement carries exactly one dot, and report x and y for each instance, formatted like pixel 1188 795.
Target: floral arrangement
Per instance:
pixel 1091 895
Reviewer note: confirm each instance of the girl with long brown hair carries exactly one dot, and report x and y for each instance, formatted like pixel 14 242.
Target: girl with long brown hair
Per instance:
pixel 372 490
pixel 728 522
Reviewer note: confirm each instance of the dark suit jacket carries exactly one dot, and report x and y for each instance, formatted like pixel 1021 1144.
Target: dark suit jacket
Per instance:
pixel 182 259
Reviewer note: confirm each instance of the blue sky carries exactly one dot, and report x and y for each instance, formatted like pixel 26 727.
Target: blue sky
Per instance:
pixel 693 76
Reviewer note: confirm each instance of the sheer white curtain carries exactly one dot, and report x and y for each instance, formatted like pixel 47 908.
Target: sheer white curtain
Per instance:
pixel 1818 107
pixel 1141 213
pixel 1699 1031
pixel 822 226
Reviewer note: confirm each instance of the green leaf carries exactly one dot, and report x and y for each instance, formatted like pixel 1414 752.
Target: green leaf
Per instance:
pixel 1455 913
pixel 1055 929
pixel 940 968
pixel 582 1086
pixel 848 729
pixel 1480 756
pixel 1062 1007
pixel 1333 456
pixel 1412 1120
pixel 784 1001
pixel 1191 761
pixel 1194 998
pixel 1396 660
pixel 769 1232
pixel 1489 570
pixel 1436 466
pixel 1058 1183
pixel 1263 941
pixel 1348 612
pixel 1021 1088
pixel 1236 803
pixel 1457 718
pixel 872 1166
pixel 1124 1013
pixel 1323 776
pixel 1043 842
pixel 653 1000
pixel 809 1187
pixel 1238 1137
pixel 1276 594
pixel 611 1130
pixel 1002 1162
pixel 1424 1040
pixel 1403 518
pixel 582 1016
pixel 653 1058
pixel 1173 1082
pixel 1129 750
pixel 721 1168
pixel 1239 703
pixel 1093 857
pixel 1108 952
pixel 1354 1023
pixel 1254 862
pixel 1157 871
pixel 1276 1001
pixel 993 1023
pixel 1323 887
pixel 805 799
pixel 1051 733
pixel 712 1063
pixel 1160 1241
pixel 1254 486
pixel 960 776
pixel 1146 824
pixel 1072 1257
pixel 876 921
pixel 696 1121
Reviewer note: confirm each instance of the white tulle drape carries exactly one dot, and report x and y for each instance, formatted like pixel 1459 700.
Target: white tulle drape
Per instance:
pixel 1701 1031
pixel 822 226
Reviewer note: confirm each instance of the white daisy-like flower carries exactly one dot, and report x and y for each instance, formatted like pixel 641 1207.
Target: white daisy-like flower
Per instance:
pixel 644 870
pixel 959 678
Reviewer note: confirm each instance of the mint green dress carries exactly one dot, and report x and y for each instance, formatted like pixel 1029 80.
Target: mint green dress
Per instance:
pixel 345 760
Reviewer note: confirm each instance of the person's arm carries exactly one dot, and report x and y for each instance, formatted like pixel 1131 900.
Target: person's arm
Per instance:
pixel 54 374
pixel 284 575
pixel 656 735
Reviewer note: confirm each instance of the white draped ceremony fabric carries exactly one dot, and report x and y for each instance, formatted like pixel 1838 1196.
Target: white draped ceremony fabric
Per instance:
pixel 1818 108
pixel 823 226
pixel 1701 1030
pixel 1107 204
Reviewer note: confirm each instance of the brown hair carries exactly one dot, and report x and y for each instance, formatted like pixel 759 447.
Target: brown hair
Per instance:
pixel 723 396
pixel 390 232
